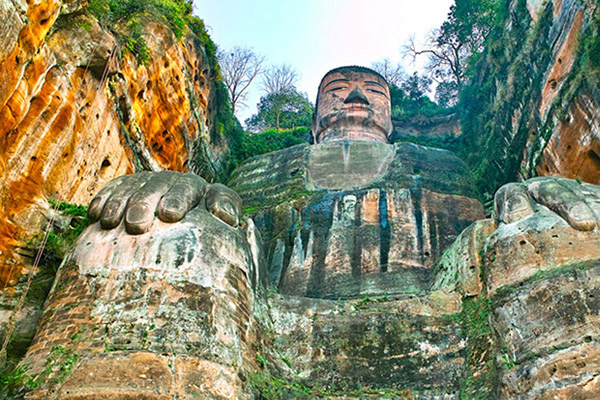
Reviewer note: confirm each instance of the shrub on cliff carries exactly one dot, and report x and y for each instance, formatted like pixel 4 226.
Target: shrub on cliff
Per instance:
pixel 123 17
pixel 410 100
pixel 254 144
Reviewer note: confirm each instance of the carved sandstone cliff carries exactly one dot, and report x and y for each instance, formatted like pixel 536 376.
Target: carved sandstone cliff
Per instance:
pixel 533 104
pixel 77 111
pixel 356 218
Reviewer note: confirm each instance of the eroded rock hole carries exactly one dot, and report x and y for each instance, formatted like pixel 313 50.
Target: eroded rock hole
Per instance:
pixel 104 167
pixel 595 159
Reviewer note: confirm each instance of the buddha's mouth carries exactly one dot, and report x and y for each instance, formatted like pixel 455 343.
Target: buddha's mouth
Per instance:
pixel 352 107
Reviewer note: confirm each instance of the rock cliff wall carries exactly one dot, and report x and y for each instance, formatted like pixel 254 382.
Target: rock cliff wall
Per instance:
pixel 77 110
pixel 532 107
pixel 421 125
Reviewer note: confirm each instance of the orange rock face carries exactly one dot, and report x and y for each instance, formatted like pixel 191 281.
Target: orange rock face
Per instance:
pixel 574 147
pixel 563 63
pixel 567 140
pixel 76 113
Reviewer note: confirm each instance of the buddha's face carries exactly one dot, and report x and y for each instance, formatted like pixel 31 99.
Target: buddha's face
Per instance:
pixel 352 105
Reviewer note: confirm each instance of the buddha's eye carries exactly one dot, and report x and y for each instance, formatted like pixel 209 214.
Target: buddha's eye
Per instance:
pixel 376 91
pixel 335 89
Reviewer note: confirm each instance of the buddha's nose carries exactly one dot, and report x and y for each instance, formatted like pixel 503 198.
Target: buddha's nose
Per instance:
pixel 356 96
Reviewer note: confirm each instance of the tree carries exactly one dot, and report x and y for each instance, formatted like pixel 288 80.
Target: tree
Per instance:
pixel 287 109
pixel 450 46
pixel 280 79
pixel 415 86
pixel 393 74
pixel 239 67
pixel 446 94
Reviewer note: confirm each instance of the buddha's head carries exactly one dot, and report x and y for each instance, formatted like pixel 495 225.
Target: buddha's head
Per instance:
pixel 353 103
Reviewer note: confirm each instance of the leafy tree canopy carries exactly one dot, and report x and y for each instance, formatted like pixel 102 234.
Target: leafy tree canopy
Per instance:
pixel 287 109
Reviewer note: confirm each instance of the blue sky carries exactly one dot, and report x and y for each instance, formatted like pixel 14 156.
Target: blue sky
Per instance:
pixel 315 36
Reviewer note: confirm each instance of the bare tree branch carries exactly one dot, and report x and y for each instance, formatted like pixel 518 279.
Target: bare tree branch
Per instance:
pixel 279 79
pixel 393 73
pixel 239 67
pixel 450 47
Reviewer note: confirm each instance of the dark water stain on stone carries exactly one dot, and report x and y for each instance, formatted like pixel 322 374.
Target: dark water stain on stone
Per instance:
pixel 385 232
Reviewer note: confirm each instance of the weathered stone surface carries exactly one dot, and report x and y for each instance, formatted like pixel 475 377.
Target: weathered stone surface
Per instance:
pixel 459 268
pixel 412 346
pixel 76 112
pixel 573 150
pixel 548 330
pixel 541 242
pixel 170 312
pixel 325 238
pixel 567 141
pixel 353 103
pixel 145 375
pixel 421 125
pixel 11 23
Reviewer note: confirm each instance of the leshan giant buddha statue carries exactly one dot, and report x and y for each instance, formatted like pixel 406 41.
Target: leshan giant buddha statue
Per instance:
pixel 165 291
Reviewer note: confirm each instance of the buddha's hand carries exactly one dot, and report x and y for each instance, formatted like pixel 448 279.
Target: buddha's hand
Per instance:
pixel 577 203
pixel 138 198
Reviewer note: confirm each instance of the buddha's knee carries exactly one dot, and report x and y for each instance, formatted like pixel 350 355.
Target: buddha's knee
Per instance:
pixel 162 313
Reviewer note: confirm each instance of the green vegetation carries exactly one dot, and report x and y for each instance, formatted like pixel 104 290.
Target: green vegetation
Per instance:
pixel 254 144
pixel 16 382
pixel 583 77
pixel 79 20
pixel 269 387
pixel 410 100
pixel 58 367
pixel 481 373
pixel 60 240
pixel 282 110
pixel 504 84
pixel 125 18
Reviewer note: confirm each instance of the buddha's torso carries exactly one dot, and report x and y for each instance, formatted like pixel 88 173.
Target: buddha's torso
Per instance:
pixel 349 219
